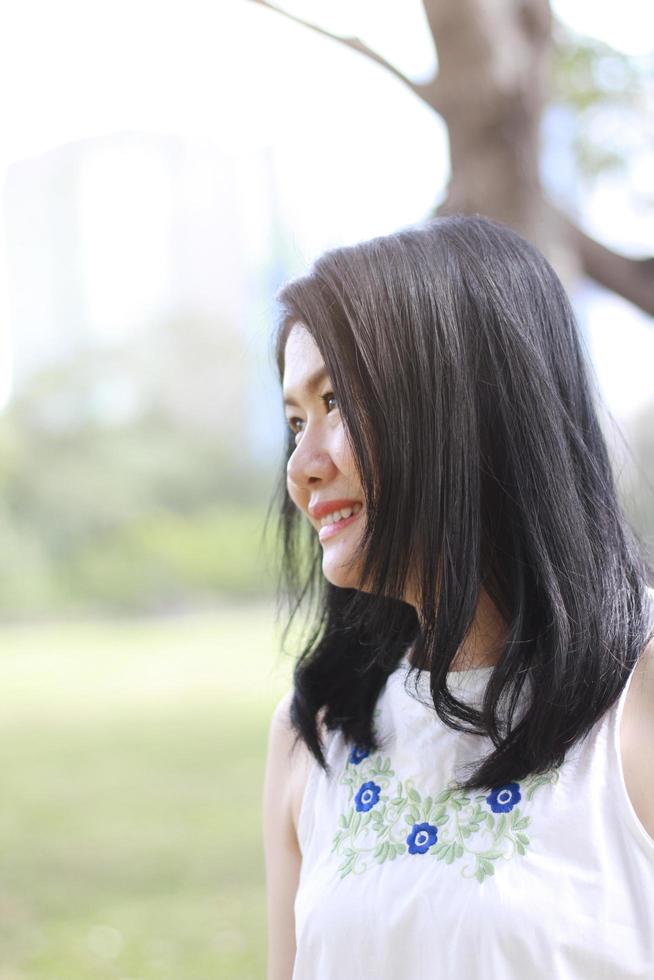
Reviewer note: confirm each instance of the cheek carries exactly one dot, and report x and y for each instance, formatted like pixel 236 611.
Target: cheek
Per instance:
pixel 344 458
pixel 294 493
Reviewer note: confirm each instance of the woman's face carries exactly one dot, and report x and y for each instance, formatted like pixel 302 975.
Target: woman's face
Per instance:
pixel 321 475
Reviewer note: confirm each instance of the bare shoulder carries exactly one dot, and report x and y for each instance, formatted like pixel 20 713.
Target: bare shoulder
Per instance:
pixel 292 759
pixel 281 850
pixel 636 732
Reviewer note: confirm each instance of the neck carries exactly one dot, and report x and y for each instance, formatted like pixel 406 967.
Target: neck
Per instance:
pixel 484 640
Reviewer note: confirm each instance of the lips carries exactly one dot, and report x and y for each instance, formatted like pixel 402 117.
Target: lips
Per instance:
pixel 329 530
pixel 321 508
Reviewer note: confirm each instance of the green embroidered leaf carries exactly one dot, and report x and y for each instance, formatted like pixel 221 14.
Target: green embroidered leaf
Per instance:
pixel 342 822
pixel 413 795
pixel 523 839
pixel 415 814
pixel 488 868
pixel 490 821
pixel 501 824
pixel 522 823
pixel 459 850
pixel 490 855
pixel 444 796
pixel 519 848
pixel 347 867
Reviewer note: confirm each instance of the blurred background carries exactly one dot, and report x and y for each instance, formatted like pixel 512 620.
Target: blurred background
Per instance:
pixel 164 170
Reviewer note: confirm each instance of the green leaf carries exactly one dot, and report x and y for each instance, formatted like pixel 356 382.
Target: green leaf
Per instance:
pixel 414 795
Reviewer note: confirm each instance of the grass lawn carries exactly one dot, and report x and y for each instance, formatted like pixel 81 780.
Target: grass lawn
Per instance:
pixel 132 757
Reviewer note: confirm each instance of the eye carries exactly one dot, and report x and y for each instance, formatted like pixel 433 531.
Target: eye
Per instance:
pixel 294 421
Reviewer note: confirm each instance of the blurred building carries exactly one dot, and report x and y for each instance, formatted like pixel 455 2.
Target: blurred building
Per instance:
pixel 147 241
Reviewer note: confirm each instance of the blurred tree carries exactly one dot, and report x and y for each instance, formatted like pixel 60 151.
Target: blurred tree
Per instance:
pixel 493 81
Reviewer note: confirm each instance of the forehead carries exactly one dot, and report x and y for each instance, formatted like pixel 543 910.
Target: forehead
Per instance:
pixel 302 359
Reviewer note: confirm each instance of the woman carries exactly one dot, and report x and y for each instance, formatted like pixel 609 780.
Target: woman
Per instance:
pixel 448 502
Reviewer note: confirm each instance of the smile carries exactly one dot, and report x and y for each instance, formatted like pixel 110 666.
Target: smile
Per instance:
pixel 329 530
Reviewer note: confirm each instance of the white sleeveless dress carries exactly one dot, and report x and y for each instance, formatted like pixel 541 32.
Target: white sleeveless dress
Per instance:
pixel 403 878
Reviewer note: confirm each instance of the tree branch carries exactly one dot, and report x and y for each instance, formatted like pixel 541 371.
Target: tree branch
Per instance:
pixel 424 92
pixel 630 278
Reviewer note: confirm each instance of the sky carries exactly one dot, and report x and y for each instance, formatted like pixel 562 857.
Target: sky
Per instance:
pixel 237 75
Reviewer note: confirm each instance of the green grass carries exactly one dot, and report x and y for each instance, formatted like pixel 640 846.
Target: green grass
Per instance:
pixel 132 758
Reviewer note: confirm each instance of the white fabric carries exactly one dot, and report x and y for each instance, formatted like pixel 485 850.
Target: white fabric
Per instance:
pixel 564 891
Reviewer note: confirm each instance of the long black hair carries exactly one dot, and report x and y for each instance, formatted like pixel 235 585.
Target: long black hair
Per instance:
pixel 462 382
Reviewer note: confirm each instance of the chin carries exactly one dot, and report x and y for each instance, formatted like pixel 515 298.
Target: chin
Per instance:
pixel 342 578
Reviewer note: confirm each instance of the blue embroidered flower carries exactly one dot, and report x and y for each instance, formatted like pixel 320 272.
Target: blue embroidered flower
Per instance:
pixel 357 754
pixel 504 798
pixel 367 796
pixel 422 837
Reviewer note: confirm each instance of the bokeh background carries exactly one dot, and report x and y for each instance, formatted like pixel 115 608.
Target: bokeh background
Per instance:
pixel 165 168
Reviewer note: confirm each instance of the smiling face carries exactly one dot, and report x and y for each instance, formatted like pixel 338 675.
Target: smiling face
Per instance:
pixel 321 473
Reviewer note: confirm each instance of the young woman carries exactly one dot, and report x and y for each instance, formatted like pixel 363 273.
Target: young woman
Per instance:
pixel 448 511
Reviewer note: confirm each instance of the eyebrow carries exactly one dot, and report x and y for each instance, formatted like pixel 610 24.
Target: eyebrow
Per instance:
pixel 312 383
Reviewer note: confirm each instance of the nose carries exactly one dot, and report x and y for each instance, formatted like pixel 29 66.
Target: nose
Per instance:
pixel 310 461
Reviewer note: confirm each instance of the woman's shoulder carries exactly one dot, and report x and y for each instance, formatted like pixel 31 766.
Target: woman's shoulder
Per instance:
pixel 299 756
pixel 637 732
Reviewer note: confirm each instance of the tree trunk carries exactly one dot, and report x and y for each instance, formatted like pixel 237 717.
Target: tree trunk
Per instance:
pixel 491 89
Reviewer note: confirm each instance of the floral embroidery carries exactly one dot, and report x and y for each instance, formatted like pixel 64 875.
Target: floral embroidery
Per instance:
pixel 475 830
pixel 367 797
pixel 357 754
pixel 422 837
pixel 504 798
